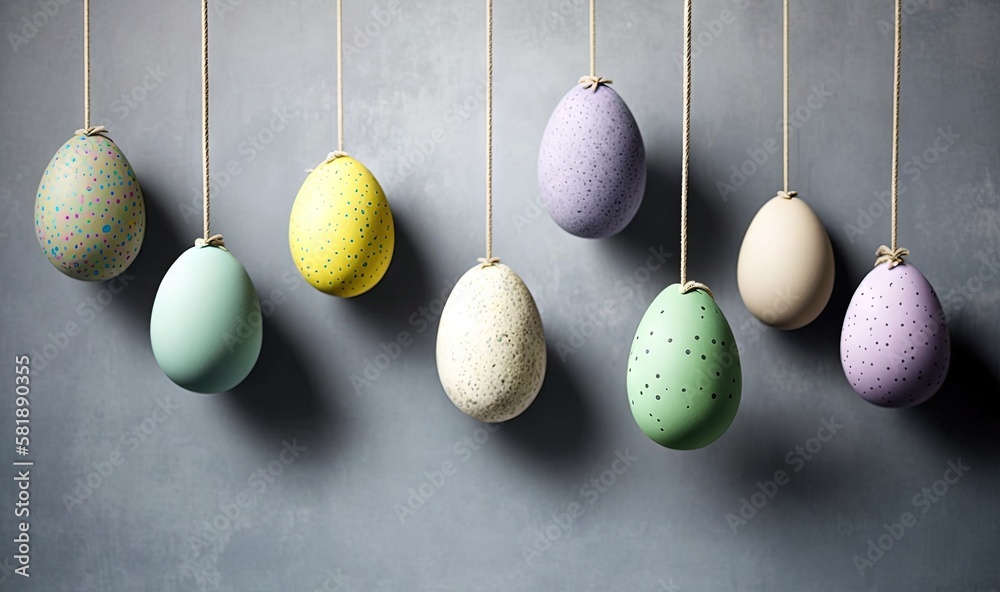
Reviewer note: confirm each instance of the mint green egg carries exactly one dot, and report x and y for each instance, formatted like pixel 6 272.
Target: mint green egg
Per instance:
pixel 684 377
pixel 206 327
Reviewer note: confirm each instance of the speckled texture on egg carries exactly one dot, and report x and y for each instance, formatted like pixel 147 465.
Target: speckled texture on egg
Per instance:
pixel 895 347
pixel 684 376
pixel 90 217
pixel 785 269
pixel 490 345
pixel 341 231
pixel 592 163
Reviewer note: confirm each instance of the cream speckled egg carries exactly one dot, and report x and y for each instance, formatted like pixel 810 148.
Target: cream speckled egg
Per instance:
pixel 490 345
pixel 90 217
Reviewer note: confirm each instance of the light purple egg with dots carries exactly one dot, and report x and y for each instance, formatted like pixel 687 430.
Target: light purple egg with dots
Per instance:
pixel 895 347
pixel 592 163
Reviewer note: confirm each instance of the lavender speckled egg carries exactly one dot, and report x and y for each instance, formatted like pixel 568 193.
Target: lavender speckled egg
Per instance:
pixel 895 347
pixel 592 163
pixel 90 217
pixel 490 346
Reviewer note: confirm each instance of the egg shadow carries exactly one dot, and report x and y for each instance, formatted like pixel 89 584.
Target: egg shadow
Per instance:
pixel 823 334
pixel 559 428
pixel 403 289
pixel 658 223
pixel 757 452
pixel 965 412
pixel 161 246
pixel 280 399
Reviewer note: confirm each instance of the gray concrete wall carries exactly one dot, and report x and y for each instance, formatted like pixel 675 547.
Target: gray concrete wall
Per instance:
pixel 329 516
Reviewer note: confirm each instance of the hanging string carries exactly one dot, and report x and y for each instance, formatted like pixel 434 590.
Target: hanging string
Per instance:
pixel 593 40
pixel 593 81
pixel 489 259
pixel 86 64
pixel 209 240
pixel 687 286
pixel 785 193
pixel 87 130
pixel 340 90
pixel 894 255
pixel 340 79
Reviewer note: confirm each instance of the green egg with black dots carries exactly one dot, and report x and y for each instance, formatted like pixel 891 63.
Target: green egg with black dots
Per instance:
pixel 684 378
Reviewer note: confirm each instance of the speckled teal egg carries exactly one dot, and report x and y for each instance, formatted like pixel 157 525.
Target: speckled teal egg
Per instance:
pixel 684 377
pixel 206 327
pixel 90 217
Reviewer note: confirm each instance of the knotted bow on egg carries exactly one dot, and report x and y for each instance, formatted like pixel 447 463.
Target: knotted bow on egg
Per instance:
pixel 891 256
pixel 592 82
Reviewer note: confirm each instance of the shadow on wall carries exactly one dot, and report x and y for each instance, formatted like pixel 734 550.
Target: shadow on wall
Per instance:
pixel 403 289
pixel 658 223
pixel 558 430
pixel 161 246
pixel 281 400
pixel 965 413
pixel 822 336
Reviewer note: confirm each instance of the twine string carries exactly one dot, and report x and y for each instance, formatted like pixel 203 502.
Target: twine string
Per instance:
pixel 894 255
pixel 687 286
pixel 489 259
pixel 209 239
pixel 785 192
pixel 897 59
pixel 593 40
pixel 86 69
pixel 592 81
pixel 340 78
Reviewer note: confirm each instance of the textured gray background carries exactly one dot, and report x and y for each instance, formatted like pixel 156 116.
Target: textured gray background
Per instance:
pixel 328 521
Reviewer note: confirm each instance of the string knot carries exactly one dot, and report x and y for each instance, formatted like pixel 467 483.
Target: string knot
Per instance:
pixel 593 82
pixel 95 130
pixel 696 286
pixel 891 256
pixel 213 241
pixel 787 194
pixel 487 261
pixel 329 158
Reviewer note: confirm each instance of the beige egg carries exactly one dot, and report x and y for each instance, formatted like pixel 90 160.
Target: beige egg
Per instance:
pixel 785 270
pixel 490 345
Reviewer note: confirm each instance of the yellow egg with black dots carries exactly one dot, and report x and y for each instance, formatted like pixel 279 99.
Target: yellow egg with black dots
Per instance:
pixel 341 232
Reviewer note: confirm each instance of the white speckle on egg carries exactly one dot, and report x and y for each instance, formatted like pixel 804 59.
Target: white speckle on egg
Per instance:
pixel 491 352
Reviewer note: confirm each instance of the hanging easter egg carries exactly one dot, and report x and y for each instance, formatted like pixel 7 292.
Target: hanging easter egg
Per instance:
pixel 592 163
pixel 785 269
pixel 684 377
pixel 341 232
pixel 490 346
pixel 895 347
pixel 90 217
pixel 206 325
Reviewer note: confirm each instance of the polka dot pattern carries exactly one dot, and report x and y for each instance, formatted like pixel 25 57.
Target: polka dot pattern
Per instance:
pixel 592 163
pixel 895 347
pixel 341 231
pixel 491 353
pixel 684 377
pixel 90 217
